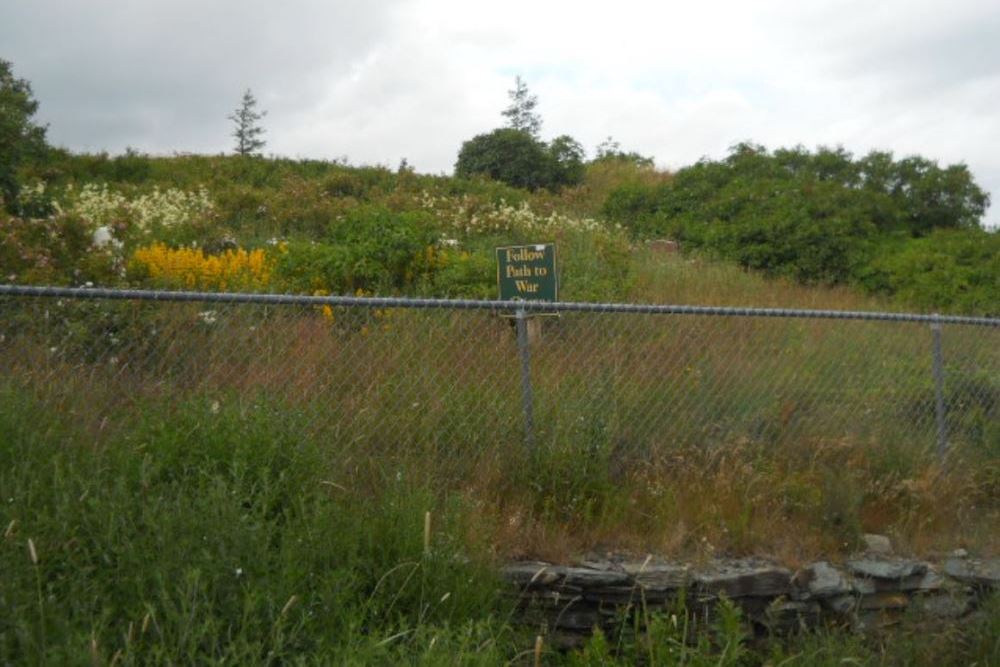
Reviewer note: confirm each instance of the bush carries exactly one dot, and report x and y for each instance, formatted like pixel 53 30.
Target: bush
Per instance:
pixel 517 158
pixel 370 249
pixel 956 270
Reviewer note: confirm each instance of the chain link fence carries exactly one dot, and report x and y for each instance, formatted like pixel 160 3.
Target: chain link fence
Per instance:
pixel 630 384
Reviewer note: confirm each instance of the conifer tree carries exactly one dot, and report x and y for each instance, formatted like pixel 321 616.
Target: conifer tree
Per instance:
pixel 521 113
pixel 247 132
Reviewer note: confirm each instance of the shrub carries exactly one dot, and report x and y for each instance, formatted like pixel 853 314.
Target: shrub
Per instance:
pixel 54 250
pixel 371 248
pixel 955 270
pixel 517 158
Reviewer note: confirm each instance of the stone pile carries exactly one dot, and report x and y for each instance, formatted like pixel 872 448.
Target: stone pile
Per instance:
pixel 869 591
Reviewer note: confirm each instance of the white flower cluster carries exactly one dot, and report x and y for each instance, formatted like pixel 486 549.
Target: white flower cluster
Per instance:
pixel 35 199
pixel 31 192
pixel 102 206
pixel 458 215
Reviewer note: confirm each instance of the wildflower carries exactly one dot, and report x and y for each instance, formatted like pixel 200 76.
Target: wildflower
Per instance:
pixel 192 268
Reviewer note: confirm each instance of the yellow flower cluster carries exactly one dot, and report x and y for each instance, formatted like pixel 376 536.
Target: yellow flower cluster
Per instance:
pixel 190 268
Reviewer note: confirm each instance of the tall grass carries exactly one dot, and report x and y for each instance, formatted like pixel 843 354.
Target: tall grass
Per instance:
pixel 188 534
pixel 680 435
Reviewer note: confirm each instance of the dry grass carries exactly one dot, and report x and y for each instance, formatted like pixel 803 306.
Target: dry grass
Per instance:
pixel 685 436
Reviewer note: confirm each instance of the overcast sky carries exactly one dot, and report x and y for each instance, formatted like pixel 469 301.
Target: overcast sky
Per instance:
pixel 379 80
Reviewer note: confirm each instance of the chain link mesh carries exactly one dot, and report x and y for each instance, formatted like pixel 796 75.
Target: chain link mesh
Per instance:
pixel 629 387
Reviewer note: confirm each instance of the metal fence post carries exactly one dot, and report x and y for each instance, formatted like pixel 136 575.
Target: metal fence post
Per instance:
pixel 527 400
pixel 939 404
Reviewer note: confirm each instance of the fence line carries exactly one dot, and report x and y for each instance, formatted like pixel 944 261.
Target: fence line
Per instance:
pixel 470 304
pixel 604 377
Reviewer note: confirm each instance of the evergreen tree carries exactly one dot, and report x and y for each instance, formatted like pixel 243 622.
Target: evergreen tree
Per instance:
pixel 247 132
pixel 521 113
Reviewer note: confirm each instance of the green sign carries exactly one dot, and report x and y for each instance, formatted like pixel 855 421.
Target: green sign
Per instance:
pixel 527 272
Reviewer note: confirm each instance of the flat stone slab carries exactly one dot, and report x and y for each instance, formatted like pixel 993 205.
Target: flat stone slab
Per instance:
pixel 659 576
pixel 879 568
pixel 943 605
pixel 974 572
pixel 537 574
pixel 878 601
pixel 587 578
pixel 822 580
pixel 746 578
pixel 529 574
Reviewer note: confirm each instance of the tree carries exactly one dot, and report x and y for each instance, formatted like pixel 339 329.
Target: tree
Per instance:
pixel 506 154
pixel 521 113
pixel 20 138
pixel 519 159
pixel 610 150
pixel 247 132
pixel 565 161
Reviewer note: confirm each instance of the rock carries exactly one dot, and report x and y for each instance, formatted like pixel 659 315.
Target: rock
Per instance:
pixel 959 553
pixel 822 580
pixel 943 605
pixel 877 568
pixel 595 562
pixel 530 574
pixel 842 604
pixel 877 544
pixel 789 615
pixel 619 595
pixel 863 586
pixel 982 573
pixel 878 601
pixel 929 581
pixel 744 578
pixel 554 598
pixel 658 577
pixel 587 578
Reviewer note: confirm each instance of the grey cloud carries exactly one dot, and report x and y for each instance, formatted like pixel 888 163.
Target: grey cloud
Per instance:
pixel 163 75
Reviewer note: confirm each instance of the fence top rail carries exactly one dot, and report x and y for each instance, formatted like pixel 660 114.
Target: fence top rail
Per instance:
pixel 527 307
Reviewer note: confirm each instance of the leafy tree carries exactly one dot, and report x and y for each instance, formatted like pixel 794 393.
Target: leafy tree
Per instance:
pixel 247 131
pixel 509 155
pixel 20 138
pixel 565 161
pixel 610 150
pixel 521 114
pixel 519 159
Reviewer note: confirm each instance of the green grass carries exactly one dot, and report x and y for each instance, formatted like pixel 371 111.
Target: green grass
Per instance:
pixel 184 539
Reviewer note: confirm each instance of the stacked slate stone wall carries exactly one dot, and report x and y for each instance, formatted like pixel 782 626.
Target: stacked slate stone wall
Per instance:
pixel 870 591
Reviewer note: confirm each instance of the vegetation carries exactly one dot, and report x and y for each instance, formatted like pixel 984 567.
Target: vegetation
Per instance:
pixel 247 132
pixel 826 217
pixel 250 485
pixel 21 138
pixel 521 114
pixel 189 533
pixel 516 156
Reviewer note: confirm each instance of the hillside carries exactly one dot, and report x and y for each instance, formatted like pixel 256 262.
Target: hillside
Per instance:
pixel 343 480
